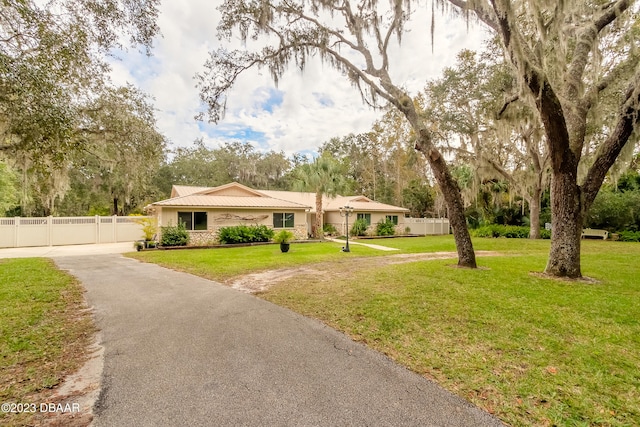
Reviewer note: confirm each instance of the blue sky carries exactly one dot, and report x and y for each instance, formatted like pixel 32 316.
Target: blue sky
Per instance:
pixel 305 110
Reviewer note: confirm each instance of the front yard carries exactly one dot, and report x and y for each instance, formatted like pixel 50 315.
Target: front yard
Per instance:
pixel 44 333
pixel 531 350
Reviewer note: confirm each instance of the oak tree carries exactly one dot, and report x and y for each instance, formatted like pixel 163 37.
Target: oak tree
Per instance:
pixel 569 56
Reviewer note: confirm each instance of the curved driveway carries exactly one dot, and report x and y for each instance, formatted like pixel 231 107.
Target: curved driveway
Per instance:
pixel 185 351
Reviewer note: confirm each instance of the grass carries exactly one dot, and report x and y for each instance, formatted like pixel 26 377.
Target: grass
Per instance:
pixel 44 332
pixel 529 349
pixel 224 263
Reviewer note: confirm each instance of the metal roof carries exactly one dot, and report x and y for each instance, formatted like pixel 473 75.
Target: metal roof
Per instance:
pixel 229 202
pixel 196 196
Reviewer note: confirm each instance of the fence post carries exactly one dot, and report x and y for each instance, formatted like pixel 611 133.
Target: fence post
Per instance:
pixel 16 224
pixel 97 234
pixel 115 229
pixel 49 230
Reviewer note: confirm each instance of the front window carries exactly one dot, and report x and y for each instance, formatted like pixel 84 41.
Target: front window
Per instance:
pixel 393 219
pixel 283 220
pixel 193 220
pixel 366 217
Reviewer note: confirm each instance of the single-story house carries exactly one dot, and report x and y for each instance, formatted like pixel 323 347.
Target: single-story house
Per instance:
pixel 204 210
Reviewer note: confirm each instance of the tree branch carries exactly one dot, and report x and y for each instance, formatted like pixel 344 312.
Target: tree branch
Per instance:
pixel 627 122
pixel 547 101
pixel 482 12
pixel 508 102
pixel 586 38
pixel 592 94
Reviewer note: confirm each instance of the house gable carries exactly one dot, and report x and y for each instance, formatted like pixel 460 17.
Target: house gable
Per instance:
pixel 361 199
pixel 185 190
pixel 232 190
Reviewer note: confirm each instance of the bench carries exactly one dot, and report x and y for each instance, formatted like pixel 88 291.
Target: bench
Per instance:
pixel 594 233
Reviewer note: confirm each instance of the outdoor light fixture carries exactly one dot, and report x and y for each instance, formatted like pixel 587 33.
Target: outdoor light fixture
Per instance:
pixel 345 211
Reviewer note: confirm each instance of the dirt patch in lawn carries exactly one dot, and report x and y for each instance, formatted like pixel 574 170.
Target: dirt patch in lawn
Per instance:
pixel 260 282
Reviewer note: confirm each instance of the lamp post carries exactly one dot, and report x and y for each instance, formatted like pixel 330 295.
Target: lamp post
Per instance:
pixel 345 211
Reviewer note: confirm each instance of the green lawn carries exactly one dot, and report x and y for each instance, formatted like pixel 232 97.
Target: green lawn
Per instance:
pixel 43 331
pixel 446 244
pixel 225 263
pixel 532 350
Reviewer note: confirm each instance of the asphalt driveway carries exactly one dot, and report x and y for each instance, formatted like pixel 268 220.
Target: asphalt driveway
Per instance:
pixel 185 351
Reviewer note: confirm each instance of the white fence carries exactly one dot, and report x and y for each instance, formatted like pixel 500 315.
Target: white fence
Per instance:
pixel 427 226
pixel 57 231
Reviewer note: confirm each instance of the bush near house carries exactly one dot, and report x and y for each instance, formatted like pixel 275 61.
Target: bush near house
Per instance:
pixel 174 235
pixel 245 234
pixel 329 229
pixel 385 228
pixel 359 228
pixel 149 227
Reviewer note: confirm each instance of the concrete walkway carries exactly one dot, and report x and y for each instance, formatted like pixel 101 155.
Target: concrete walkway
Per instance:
pixel 184 351
pixel 369 245
pixel 71 250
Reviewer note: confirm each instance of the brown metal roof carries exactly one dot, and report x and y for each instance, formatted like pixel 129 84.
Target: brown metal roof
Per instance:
pixel 229 201
pixel 362 204
pixel 185 190
pixel 196 196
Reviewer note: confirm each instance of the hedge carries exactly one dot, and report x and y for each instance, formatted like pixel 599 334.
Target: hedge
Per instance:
pixel 245 234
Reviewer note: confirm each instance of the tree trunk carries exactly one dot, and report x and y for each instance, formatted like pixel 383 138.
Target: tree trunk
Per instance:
pixel 451 193
pixel 115 206
pixel 534 213
pixel 566 225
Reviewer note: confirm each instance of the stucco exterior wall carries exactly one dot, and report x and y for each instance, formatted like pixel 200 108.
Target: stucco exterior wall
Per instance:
pixel 339 222
pixel 228 217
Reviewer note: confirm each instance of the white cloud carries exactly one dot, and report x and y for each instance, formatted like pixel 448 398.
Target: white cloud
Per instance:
pixel 308 109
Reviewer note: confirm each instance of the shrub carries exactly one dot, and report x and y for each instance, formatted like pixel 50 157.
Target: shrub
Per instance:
pixel 385 228
pixel 485 231
pixel 283 236
pixel 359 227
pixel 149 228
pixel 329 229
pixel 516 232
pixel 545 234
pixel 509 231
pixel 629 236
pixel 245 234
pixel 174 235
pixel 615 211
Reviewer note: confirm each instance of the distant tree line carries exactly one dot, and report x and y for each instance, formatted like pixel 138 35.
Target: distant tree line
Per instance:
pixel 65 129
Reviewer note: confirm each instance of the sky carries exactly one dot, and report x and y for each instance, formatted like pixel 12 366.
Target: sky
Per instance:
pixel 305 110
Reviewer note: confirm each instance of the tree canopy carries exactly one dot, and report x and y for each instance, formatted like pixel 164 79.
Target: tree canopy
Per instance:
pixel 56 102
pixel 504 141
pixel 52 63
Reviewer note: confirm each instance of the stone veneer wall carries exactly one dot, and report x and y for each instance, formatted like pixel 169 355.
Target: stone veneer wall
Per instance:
pixel 300 232
pixel 203 238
